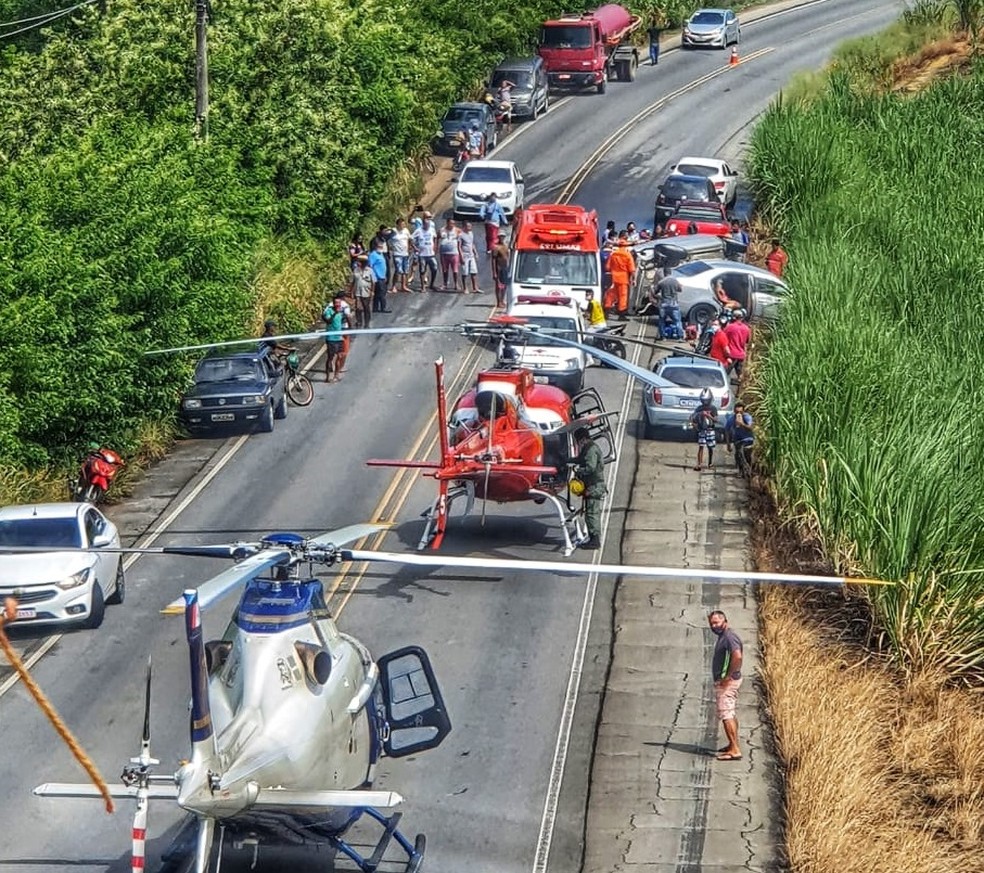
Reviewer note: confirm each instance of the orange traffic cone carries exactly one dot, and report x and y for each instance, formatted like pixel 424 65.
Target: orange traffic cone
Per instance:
pixel 733 62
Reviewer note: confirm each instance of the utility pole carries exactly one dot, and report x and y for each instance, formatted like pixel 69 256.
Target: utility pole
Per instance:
pixel 201 70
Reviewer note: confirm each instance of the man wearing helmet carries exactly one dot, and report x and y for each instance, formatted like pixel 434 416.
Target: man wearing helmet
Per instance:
pixel 704 420
pixel 590 469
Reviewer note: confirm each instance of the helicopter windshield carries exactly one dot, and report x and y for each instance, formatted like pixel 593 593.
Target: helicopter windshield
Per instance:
pixel 556 268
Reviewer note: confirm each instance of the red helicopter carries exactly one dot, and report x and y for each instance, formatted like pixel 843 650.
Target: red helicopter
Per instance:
pixel 509 439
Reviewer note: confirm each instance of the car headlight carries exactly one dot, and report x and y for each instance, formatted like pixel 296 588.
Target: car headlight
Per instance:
pixel 74 580
pixel 573 362
pixel 504 195
pixel 259 398
pixel 191 403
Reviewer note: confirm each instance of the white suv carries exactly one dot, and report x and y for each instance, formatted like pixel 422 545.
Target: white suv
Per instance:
pixel 550 362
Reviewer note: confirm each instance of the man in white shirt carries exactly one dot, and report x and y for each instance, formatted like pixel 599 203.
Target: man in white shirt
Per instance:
pixel 424 239
pixel 399 243
pixel 469 257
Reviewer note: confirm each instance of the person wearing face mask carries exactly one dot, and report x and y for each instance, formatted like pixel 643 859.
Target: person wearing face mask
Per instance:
pixel 726 672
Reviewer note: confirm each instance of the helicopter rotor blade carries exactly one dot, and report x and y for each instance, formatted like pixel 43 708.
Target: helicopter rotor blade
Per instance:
pixel 218 586
pixel 579 568
pixel 349 534
pixel 146 725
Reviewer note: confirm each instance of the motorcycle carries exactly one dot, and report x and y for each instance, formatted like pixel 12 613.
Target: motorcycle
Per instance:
pixel 462 155
pixel 607 340
pixel 95 475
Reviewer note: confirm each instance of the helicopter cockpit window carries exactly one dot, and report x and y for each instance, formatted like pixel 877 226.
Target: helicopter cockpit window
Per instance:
pixel 491 404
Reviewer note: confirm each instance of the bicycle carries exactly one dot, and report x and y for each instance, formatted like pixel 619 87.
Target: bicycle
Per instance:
pixel 298 388
pixel 422 161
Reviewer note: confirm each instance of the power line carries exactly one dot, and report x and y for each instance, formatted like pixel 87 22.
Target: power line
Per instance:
pixel 41 20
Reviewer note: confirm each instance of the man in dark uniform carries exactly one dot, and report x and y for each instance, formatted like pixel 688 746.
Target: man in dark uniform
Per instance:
pixel 591 471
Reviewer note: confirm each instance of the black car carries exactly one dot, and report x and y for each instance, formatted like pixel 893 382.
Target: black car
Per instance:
pixel 235 388
pixel 678 187
pixel 465 115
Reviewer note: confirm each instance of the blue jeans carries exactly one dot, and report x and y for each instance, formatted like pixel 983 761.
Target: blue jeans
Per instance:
pixel 672 311
pixel 654 53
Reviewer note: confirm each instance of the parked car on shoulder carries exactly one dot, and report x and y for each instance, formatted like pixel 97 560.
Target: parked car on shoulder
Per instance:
pixel 699 217
pixel 717 28
pixel 673 406
pixel 464 115
pixel 676 189
pixel 531 94
pixel 73 582
pixel 722 176
pixel 759 292
pixel 480 178
pixel 234 388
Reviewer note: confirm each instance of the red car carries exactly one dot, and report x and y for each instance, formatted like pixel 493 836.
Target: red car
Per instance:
pixel 706 217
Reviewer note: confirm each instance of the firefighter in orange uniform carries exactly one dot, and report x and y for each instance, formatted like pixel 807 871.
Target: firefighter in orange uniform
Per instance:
pixel 621 267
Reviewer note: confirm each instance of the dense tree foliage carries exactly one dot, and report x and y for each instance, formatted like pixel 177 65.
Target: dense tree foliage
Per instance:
pixel 119 232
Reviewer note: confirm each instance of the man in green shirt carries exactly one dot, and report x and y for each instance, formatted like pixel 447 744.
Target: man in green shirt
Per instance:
pixel 591 471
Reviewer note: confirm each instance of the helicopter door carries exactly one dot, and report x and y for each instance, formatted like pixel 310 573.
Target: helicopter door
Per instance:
pixel 414 708
pixel 586 404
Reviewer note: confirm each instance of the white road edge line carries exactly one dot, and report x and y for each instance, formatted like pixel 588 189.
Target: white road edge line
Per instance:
pixel 552 802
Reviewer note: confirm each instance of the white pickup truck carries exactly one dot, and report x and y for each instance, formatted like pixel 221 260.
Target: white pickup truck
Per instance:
pixel 551 362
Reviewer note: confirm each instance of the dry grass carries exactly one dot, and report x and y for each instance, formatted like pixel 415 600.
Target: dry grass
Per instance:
pixel 881 774
pixel 942 57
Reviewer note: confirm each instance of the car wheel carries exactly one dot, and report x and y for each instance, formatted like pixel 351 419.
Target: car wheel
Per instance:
pixel 280 412
pixel 602 85
pixel 535 112
pixel 97 608
pixel 546 103
pixel 119 590
pixel 701 314
pixel 266 420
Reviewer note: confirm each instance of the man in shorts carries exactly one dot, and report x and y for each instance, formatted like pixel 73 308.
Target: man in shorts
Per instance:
pixel 399 243
pixel 336 321
pixel 447 247
pixel 469 258
pixel 704 420
pixel 726 672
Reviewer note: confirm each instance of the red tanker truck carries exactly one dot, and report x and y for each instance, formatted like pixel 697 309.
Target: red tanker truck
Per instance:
pixel 581 50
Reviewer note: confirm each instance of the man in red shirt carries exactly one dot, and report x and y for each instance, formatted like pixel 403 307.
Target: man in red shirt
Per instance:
pixel 737 334
pixel 776 259
pixel 720 350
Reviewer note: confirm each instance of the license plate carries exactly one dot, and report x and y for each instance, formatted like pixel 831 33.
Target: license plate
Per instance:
pixel 541 380
pixel 27 613
pixel 223 416
pixel 564 76
pixel 687 402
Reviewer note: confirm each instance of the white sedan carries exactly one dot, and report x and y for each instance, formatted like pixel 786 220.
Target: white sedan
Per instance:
pixel 69 586
pixel 480 178
pixel 725 178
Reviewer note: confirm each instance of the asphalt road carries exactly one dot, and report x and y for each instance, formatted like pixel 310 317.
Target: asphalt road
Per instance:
pixel 503 648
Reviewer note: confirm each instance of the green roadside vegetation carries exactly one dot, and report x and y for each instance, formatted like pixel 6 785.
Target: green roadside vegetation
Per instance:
pixel 871 436
pixel 120 232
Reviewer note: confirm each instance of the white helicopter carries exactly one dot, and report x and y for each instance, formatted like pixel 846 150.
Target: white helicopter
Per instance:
pixel 289 716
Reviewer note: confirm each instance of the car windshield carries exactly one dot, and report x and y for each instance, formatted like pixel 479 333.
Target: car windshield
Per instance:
pixel 680 189
pixel 707 18
pixel 519 78
pixel 556 268
pixel 695 268
pixel 694 377
pixel 53 532
pixel 697 170
pixel 557 326
pixel 566 36
pixel 459 116
pixel 226 370
pixel 486 174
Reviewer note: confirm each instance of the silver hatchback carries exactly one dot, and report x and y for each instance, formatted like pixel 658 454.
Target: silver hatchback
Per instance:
pixel 711 27
pixel 672 406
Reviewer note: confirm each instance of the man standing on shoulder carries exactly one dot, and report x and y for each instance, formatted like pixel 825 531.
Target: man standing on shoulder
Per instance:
pixel 399 243
pixel 726 672
pixel 653 33
pixel 361 287
pixel 448 250
pixel 377 263
pixel 738 333
pixel 336 321
pixel 776 259
pixel 424 240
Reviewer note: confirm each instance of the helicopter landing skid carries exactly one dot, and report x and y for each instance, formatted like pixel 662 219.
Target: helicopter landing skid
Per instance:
pixel 566 522
pixel 414 851
pixel 436 517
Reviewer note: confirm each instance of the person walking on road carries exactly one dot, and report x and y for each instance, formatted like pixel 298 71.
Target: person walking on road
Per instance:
pixel 494 217
pixel 336 320
pixel 726 672
pixel 590 470
pixel 377 263
pixel 704 420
